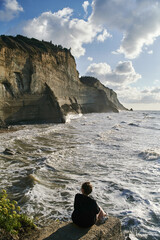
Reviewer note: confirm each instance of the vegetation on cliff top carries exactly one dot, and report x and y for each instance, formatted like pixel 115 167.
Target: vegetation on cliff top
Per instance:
pixel 90 81
pixel 30 45
pixel 12 222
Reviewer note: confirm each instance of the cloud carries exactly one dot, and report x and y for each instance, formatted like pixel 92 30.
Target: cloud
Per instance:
pixel 99 69
pixel 120 78
pixel 85 6
pixel 150 52
pixel 129 94
pixel 155 90
pixel 156 82
pixel 90 59
pixel 139 21
pixel 103 36
pixel 124 73
pixel 62 29
pixel 10 10
pixel 135 95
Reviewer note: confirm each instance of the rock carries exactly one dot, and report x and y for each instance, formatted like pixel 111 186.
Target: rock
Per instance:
pixel 110 230
pixel 8 152
pixel 39 83
pixel 108 100
pixel 3 125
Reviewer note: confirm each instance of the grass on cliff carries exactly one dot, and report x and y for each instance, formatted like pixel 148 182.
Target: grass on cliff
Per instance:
pixel 31 45
pixel 12 222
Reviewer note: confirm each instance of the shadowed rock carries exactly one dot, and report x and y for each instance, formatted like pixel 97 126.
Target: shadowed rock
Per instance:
pixel 8 152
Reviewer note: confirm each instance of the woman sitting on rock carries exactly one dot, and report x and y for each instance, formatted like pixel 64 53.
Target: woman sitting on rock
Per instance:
pixel 86 211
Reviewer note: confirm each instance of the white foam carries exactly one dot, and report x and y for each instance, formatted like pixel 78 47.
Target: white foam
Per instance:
pixel 150 154
pixel 132 237
pixel 61 157
pixel 70 117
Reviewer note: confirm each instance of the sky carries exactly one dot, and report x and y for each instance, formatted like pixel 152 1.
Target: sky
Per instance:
pixel 116 41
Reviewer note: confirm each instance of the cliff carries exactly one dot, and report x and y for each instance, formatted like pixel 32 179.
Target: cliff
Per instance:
pixel 110 230
pixel 108 100
pixel 39 82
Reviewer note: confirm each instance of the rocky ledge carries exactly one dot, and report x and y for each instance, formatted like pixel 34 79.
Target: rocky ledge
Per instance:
pixel 110 230
pixel 39 83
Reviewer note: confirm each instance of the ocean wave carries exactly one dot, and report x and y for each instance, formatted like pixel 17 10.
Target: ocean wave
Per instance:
pixel 117 127
pixel 152 128
pixel 109 117
pixel 50 162
pixel 129 195
pixel 130 222
pixel 70 117
pixel 150 155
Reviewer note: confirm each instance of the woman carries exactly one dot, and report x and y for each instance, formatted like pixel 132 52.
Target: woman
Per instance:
pixel 86 211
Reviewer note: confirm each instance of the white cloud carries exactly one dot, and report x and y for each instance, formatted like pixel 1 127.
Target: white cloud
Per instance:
pixel 99 69
pixel 62 29
pixel 124 73
pixel 115 52
pixel 10 10
pixel 103 36
pixel 139 21
pixel 156 82
pixel 150 52
pixel 120 78
pixel 129 94
pixel 155 90
pixel 90 59
pixel 135 95
pixel 85 6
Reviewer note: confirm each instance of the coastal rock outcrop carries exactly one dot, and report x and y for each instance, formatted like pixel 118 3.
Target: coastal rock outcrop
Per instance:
pixel 106 98
pixel 39 82
pixel 110 230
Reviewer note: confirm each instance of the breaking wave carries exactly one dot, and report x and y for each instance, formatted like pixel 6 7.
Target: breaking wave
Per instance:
pixel 118 153
pixel 150 155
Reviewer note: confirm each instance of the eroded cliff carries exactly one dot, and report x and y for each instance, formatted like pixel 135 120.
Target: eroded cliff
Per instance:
pixel 39 82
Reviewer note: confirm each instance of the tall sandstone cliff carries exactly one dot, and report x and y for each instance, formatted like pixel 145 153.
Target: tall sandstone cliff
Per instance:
pixel 39 82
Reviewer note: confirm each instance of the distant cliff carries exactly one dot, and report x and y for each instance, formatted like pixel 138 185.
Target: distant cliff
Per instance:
pixel 106 98
pixel 39 82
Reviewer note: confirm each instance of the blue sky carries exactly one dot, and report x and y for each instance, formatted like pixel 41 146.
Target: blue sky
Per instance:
pixel 117 41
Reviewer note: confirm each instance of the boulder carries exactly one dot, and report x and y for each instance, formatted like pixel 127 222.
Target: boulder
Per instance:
pixel 110 230
pixel 8 152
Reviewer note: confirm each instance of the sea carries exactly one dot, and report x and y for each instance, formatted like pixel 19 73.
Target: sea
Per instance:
pixel 119 153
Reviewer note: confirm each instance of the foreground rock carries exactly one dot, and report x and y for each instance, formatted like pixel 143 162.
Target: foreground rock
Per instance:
pixel 110 230
pixel 39 82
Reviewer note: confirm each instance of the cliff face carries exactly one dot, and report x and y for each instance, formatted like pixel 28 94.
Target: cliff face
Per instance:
pixel 39 82
pixel 107 98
